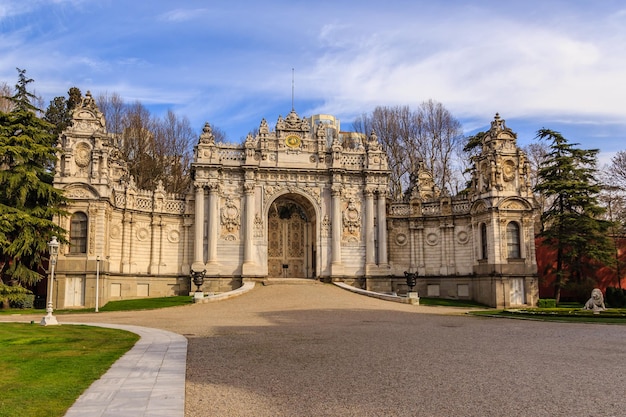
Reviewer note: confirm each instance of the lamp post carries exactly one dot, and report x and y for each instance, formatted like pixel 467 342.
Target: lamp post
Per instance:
pixel 49 319
pixel 97 281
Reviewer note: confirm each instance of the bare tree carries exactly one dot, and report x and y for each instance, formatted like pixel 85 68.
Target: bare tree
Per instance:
pixel 113 107
pixel 439 137
pixel 537 154
pixel 138 146
pixel 429 138
pixel 6 105
pixel 174 139
pixel 617 169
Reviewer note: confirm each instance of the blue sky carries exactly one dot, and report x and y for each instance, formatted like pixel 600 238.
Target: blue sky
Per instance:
pixel 553 64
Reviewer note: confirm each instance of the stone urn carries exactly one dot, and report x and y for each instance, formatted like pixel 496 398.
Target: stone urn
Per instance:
pixel 198 279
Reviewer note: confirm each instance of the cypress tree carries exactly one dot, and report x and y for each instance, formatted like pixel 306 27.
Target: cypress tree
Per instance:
pixel 28 201
pixel 572 224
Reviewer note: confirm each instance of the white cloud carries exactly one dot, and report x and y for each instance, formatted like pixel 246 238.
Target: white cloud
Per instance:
pixel 534 61
pixel 182 15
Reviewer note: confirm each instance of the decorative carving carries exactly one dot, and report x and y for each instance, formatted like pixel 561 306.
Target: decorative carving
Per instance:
pixel 508 170
pixel 82 154
pixel 207 136
pixel 596 302
pixel 401 239
pixel 79 193
pixel 264 129
pixel 462 237
pixel 142 232
pixel 432 238
pixel 352 217
pixel 271 190
pixel 320 132
pixel 258 226
pixel 115 232
pixel 513 205
pixel 372 143
pixel 230 215
pixel 325 227
pixel 173 234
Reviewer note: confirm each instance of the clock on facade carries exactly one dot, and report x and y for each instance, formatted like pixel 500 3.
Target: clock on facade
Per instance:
pixel 293 141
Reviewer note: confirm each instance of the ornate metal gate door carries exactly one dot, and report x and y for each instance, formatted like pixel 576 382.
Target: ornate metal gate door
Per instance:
pixel 287 242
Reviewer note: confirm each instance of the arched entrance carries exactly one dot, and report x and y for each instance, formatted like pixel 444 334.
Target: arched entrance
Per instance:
pixel 291 238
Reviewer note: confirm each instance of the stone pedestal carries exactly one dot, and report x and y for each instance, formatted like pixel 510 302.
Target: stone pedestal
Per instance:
pixel 49 320
pixel 198 296
pixel 414 298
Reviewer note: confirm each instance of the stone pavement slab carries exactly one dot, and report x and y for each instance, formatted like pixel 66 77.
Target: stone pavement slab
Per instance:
pixel 149 380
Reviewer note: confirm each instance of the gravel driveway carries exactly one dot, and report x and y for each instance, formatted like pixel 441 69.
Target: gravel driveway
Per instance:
pixel 318 350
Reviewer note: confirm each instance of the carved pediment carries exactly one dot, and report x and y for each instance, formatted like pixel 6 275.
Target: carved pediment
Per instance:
pixel 81 192
pixel 514 205
pixel 86 117
pixel 479 207
pixel 293 123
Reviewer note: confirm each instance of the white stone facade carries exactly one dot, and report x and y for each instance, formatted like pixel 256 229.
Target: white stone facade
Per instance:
pixel 301 200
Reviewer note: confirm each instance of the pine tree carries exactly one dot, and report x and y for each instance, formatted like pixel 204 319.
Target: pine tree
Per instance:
pixel 59 111
pixel 572 224
pixel 28 201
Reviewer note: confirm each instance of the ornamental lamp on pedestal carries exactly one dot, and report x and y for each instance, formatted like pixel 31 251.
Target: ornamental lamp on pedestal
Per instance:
pixel 49 319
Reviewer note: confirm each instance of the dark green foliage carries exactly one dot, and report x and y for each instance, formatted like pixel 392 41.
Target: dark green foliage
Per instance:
pixel 59 112
pixel 546 303
pixel 25 301
pixel 473 143
pixel 615 297
pixel 571 221
pixel 28 201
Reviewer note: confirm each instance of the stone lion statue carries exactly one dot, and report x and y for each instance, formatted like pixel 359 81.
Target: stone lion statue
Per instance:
pixel 596 302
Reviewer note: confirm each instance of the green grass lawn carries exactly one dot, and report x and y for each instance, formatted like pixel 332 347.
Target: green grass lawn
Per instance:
pixel 45 369
pixel 561 314
pixel 147 303
pixel 121 305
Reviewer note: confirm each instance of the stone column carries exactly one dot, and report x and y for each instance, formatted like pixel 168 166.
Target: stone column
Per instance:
pixel 382 228
pixel 213 223
pixel 185 268
pixel 154 245
pixel 248 267
pixel 337 226
pixel 198 241
pixel 126 234
pixel 370 244
pixel 420 247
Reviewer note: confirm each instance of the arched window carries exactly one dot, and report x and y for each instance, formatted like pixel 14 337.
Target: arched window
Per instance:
pixel 483 241
pixel 78 233
pixel 513 240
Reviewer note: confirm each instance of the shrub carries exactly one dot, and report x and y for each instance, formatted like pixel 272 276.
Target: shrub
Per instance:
pixel 546 303
pixel 615 297
pixel 23 301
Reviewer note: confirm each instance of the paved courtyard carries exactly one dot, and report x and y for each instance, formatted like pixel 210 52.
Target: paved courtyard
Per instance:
pixel 318 350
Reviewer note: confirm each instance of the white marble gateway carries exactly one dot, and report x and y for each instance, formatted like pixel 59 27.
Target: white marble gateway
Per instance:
pixel 302 199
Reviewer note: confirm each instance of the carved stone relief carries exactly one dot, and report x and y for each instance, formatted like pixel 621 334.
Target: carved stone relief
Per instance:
pixel 352 219
pixel 230 216
pixel 258 226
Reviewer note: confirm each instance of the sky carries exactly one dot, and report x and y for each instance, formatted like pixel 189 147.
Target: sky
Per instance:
pixel 550 64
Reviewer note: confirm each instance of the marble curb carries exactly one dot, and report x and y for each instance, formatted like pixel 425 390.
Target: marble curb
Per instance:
pixel 247 286
pixel 386 297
